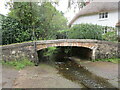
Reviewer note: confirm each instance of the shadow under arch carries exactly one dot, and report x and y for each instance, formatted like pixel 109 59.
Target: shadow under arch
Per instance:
pixel 67 51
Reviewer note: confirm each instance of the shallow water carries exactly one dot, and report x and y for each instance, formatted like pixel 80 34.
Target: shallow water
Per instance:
pixel 76 73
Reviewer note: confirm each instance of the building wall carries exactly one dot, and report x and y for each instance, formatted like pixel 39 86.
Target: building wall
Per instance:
pixel 94 19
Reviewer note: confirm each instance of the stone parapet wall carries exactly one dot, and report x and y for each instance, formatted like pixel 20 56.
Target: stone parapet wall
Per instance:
pixel 18 51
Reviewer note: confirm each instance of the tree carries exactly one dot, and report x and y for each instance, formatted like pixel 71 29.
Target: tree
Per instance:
pixel 27 14
pixel 27 17
pixel 51 20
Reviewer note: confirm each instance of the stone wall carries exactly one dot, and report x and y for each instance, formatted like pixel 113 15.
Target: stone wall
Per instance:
pixel 18 51
pixel 100 49
pixel 106 50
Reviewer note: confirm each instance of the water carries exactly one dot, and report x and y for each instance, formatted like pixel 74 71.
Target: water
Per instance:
pixel 76 73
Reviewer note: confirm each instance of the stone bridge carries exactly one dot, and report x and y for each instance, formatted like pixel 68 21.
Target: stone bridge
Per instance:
pixel 99 49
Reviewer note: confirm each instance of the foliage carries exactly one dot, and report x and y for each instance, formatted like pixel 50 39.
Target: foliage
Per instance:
pixel 76 3
pixel 62 34
pixel 84 31
pixel 52 21
pixel 25 12
pixel 18 64
pixel 50 51
pixel 28 21
pixel 110 36
pixel 14 32
pixel 113 60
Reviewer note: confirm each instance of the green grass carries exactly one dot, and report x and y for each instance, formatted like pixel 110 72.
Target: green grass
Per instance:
pixel 113 60
pixel 18 64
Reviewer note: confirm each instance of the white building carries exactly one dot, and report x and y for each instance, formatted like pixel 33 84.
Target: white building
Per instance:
pixel 100 13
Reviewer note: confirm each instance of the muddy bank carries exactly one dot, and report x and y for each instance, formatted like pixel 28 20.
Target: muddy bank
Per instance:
pixel 42 76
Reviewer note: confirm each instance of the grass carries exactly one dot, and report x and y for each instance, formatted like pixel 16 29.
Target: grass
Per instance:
pixel 18 64
pixel 113 60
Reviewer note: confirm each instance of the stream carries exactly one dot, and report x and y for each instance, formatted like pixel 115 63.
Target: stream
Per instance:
pixel 76 73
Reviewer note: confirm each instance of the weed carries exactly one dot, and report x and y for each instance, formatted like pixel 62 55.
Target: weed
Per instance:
pixel 18 64
pixel 113 60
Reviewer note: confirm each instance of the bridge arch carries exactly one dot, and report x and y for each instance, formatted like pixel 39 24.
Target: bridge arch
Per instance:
pixel 90 46
pixel 60 55
pixel 86 45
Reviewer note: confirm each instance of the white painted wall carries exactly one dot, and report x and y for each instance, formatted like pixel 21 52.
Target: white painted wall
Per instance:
pixel 94 19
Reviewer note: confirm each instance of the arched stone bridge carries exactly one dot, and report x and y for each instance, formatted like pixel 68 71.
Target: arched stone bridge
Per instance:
pixel 99 49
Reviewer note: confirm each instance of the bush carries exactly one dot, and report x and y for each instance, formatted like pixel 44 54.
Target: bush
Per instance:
pixel 14 32
pixel 62 34
pixel 50 51
pixel 110 36
pixel 85 31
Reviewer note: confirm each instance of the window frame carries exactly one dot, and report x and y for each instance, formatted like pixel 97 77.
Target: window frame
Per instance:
pixel 103 15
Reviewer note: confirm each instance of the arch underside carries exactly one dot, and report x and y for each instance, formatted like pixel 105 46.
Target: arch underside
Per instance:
pixel 86 45
pixel 91 46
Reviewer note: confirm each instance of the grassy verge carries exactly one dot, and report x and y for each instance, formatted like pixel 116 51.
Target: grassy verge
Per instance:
pixel 113 60
pixel 19 64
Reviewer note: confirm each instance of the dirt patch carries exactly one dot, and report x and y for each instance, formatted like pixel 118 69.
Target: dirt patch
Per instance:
pixel 8 76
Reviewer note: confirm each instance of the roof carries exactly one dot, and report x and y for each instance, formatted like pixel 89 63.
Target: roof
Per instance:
pixel 95 7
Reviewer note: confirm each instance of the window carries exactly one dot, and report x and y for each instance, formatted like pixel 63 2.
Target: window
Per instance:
pixel 106 15
pixel 103 15
pixel 100 15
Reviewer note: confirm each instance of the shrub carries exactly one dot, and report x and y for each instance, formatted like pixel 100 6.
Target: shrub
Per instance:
pixel 62 34
pixel 85 31
pixel 110 36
